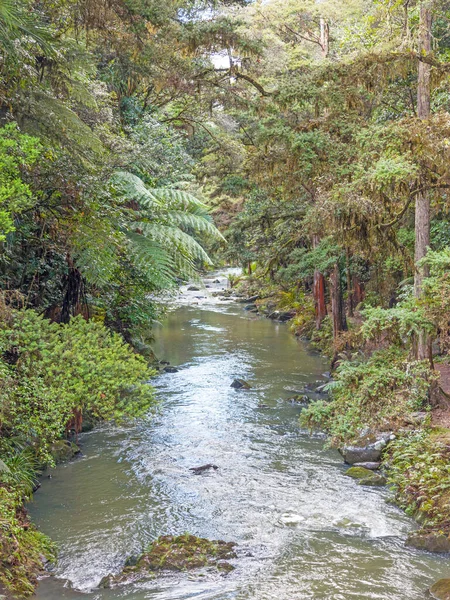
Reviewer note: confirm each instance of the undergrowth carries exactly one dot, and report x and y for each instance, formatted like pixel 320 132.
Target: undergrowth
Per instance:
pixel 378 392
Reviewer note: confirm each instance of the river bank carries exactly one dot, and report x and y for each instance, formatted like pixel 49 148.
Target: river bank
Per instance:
pixel 309 532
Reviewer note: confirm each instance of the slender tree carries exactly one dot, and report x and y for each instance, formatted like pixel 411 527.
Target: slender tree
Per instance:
pixel 422 214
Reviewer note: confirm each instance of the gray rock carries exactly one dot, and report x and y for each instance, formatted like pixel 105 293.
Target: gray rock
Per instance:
pixel 250 307
pixel 366 449
pixel 171 369
pixel 250 300
pixel 203 468
pixel 282 316
pixel 193 288
pixel 372 466
pixel 240 384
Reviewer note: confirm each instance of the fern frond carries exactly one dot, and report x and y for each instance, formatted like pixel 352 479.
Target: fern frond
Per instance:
pixel 133 188
pixel 178 240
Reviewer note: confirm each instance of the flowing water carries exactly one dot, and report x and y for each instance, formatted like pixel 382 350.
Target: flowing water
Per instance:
pixel 304 530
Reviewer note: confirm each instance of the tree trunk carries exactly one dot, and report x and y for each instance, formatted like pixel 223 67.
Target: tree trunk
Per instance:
pixel 319 297
pixel 358 291
pixel 324 37
pixel 319 291
pixel 350 305
pixel 337 302
pixel 422 213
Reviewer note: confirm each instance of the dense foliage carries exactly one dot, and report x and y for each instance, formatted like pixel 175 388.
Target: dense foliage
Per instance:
pixel 315 134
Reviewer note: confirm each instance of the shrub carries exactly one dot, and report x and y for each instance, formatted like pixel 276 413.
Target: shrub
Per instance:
pixel 52 371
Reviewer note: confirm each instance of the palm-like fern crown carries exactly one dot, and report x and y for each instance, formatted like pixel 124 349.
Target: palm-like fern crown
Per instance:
pixel 160 227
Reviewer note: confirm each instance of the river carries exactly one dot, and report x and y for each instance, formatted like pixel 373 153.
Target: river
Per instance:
pixel 304 529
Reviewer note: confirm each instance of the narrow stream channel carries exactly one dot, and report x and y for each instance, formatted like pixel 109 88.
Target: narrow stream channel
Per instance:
pixel 304 530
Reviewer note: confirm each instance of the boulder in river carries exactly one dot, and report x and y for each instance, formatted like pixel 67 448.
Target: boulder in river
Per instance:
pixel 366 449
pixel 240 384
pixel 372 466
pixel 433 542
pixel 440 590
pixel 203 468
pixel 171 369
pixel 175 553
pixel 365 476
pixel 250 307
pixel 193 288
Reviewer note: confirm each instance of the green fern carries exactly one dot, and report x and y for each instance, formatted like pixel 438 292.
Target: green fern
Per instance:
pixel 163 226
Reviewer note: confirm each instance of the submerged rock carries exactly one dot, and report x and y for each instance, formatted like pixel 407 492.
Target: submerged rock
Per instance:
pixel 175 553
pixel 433 542
pixel 203 468
pixel 250 307
pixel 440 590
pixel 300 399
pixel 240 384
pixel 365 476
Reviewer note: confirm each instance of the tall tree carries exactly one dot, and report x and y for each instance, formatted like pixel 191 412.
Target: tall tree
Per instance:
pixel 422 215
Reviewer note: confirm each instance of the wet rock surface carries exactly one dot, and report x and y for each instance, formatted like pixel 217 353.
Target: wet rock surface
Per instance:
pixel 203 469
pixel 440 590
pixel 365 476
pixel 175 553
pixel 366 449
pixel 240 384
pixel 372 466
pixel 432 542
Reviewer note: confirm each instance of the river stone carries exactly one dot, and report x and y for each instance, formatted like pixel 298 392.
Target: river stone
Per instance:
pixel 171 370
pixel 193 288
pixel 240 384
pixel 366 449
pixel 250 307
pixel 250 300
pixel 63 451
pixel 365 476
pixel 440 590
pixel 282 315
pixel 175 553
pixel 300 399
pixel 433 542
pixel 372 466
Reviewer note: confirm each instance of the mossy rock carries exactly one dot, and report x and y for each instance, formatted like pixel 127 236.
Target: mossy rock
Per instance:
pixel 432 542
pixel 365 476
pixel 63 451
pixel 175 553
pixel 441 590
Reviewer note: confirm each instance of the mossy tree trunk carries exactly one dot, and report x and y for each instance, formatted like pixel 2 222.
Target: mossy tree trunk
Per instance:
pixel 422 212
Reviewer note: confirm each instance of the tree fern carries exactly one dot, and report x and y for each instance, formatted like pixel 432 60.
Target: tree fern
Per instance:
pixel 162 227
